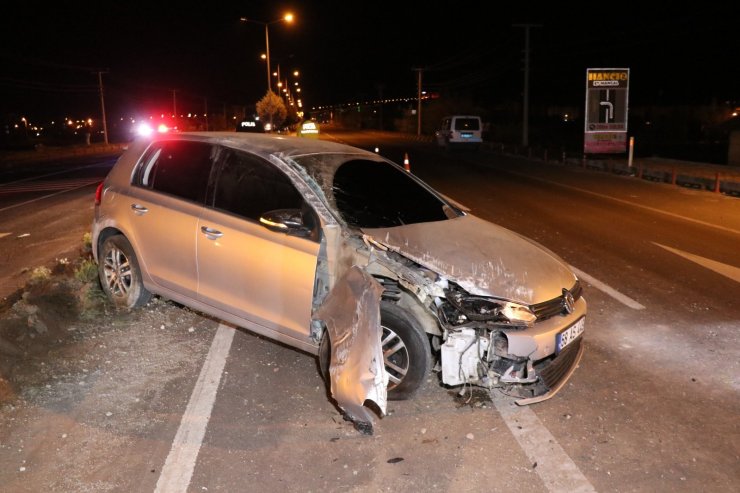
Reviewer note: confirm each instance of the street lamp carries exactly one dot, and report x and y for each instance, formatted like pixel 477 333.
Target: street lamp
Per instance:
pixel 286 18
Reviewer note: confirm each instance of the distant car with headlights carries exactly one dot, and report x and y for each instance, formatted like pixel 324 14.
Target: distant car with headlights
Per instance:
pixel 308 128
pixel 261 230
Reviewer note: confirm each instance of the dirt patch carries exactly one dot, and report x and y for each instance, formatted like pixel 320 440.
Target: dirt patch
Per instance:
pixel 60 310
pixel 80 378
pixel 37 318
pixel 473 397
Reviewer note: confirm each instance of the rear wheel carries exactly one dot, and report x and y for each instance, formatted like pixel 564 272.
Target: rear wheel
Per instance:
pixel 120 275
pixel 406 351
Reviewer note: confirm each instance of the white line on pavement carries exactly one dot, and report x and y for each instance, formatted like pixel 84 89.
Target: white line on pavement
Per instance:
pixel 608 290
pixel 42 198
pixel 180 464
pixel 3 235
pixel 726 270
pixel 556 469
pixel 622 201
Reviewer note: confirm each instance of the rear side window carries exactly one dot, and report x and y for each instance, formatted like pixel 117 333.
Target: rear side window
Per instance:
pixel 249 186
pixel 467 124
pixel 178 168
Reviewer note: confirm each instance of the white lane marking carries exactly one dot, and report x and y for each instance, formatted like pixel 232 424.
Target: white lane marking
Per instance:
pixel 43 186
pixel 556 469
pixel 42 198
pixel 3 235
pixel 726 270
pixel 626 300
pixel 621 201
pixel 180 464
pixel 66 170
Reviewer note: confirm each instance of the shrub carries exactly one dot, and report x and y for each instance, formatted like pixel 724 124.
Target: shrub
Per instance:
pixel 86 271
pixel 87 243
pixel 40 274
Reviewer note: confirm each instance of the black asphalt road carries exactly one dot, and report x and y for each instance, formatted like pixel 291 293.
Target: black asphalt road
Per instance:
pixel 654 405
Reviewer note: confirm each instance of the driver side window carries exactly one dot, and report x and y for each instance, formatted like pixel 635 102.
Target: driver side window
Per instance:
pixel 249 186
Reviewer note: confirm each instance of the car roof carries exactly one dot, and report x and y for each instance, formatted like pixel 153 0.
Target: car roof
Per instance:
pixel 267 144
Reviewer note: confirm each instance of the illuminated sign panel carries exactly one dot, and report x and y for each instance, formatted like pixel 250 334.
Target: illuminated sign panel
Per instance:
pixel 607 94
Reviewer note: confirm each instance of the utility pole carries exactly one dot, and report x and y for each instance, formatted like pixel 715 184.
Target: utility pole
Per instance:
pixel 525 110
pixel 102 104
pixel 418 99
pixel 380 96
pixel 205 111
pixel 174 103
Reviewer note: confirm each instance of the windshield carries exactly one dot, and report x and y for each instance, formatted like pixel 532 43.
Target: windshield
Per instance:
pixel 372 194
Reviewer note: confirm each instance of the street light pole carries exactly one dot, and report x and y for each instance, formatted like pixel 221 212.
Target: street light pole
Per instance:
pixel 267 56
pixel 418 101
pixel 287 18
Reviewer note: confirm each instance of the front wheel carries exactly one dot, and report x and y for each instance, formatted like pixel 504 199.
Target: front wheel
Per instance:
pixel 406 351
pixel 120 275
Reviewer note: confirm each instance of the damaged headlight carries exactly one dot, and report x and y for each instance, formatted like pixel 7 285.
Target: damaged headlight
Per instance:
pixel 462 308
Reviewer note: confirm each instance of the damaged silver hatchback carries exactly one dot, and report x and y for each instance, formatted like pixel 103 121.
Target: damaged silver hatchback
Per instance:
pixel 337 251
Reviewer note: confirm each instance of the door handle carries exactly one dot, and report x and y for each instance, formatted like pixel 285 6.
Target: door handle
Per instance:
pixel 139 209
pixel 211 233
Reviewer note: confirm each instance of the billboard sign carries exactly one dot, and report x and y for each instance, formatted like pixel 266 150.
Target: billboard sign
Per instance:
pixel 607 94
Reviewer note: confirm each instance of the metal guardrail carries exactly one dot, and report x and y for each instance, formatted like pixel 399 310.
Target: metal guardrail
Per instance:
pixel 701 176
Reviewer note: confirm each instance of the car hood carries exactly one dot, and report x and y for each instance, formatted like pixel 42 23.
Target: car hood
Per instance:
pixel 481 257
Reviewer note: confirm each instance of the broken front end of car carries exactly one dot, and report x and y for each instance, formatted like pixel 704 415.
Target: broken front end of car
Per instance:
pixel 528 352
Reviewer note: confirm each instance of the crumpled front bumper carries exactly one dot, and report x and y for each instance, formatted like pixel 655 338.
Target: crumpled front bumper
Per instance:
pixel 556 374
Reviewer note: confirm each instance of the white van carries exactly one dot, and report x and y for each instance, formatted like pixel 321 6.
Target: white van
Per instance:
pixel 460 131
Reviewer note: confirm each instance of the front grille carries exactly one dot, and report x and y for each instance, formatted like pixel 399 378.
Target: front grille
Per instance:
pixel 559 367
pixel 555 306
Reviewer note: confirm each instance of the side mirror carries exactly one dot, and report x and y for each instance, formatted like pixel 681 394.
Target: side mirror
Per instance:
pixel 288 221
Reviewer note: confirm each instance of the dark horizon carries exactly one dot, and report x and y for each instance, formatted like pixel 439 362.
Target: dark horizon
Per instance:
pixel 153 56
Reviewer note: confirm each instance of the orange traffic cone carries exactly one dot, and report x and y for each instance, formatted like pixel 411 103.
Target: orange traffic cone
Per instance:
pixel 406 164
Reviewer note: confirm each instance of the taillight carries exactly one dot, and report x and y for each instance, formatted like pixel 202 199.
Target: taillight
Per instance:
pixel 99 193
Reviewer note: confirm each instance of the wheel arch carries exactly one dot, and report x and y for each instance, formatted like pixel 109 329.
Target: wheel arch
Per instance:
pixel 104 234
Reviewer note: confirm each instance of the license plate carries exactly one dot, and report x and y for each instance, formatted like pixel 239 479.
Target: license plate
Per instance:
pixel 466 135
pixel 569 335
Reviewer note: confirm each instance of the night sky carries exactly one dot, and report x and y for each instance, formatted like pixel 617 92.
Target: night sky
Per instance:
pixel 356 51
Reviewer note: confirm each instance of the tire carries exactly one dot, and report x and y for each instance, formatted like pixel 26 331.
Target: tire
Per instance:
pixel 120 275
pixel 408 364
